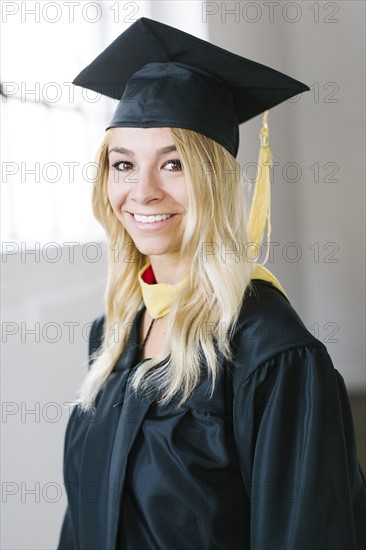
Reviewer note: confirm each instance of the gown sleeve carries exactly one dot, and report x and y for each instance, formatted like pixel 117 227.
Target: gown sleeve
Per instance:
pixel 296 445
pixel 67 539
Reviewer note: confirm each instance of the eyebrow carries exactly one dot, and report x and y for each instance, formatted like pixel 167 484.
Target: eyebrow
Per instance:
pixel 124 151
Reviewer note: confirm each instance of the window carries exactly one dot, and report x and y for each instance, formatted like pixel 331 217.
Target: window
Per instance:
pixel 51 130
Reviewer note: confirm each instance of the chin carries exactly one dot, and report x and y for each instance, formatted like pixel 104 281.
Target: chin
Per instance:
pixel 151 250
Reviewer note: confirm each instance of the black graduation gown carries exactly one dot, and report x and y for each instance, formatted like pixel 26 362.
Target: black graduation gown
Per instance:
pixel 268 463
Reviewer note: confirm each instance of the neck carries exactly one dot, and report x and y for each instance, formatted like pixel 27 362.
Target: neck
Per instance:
pixel 169 270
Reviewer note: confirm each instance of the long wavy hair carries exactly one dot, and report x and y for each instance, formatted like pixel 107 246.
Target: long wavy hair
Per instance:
pixel 204 314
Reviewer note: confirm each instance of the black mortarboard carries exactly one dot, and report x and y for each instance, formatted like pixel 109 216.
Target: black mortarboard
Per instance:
pixel 164 77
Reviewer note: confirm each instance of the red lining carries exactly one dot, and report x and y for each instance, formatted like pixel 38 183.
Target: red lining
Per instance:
pixel 148 276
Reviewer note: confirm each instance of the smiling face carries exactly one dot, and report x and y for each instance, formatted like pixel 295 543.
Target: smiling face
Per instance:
pixel 147 189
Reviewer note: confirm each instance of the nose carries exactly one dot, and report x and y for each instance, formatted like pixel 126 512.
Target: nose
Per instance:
pixel 146 186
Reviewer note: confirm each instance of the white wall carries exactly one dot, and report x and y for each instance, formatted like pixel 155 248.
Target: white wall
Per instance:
pixel 41 372
pixel 329 296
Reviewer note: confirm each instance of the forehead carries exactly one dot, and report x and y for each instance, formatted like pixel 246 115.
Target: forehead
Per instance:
pixel 140 139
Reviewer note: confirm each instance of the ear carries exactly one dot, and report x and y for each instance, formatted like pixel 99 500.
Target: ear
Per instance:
pixel 95 338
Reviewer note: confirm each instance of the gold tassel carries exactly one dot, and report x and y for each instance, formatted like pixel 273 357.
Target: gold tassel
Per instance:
pixel 260 212
pixel 261 202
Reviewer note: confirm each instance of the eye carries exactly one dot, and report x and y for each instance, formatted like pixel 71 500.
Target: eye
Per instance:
pixel 174 165
pixel 123 165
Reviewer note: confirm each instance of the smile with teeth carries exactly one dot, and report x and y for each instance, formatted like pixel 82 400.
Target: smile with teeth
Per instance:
pixel 152 219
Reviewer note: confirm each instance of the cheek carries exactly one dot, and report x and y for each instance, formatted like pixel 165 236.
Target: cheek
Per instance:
pixel 180 194
pixel 116 194
pixel 183 198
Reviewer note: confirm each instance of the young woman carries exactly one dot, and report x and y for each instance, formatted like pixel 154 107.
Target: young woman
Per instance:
pixel 210 417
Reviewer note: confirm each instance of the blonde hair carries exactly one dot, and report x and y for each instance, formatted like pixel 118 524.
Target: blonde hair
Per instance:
pixel 204 314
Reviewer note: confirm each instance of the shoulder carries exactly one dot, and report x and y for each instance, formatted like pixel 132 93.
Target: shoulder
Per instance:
pixel 266 312
pixel 268 325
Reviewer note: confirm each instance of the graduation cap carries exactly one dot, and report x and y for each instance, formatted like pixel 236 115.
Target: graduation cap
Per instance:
pixel 165 77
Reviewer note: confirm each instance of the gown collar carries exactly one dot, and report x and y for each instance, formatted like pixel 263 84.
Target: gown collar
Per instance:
pixel 157 297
